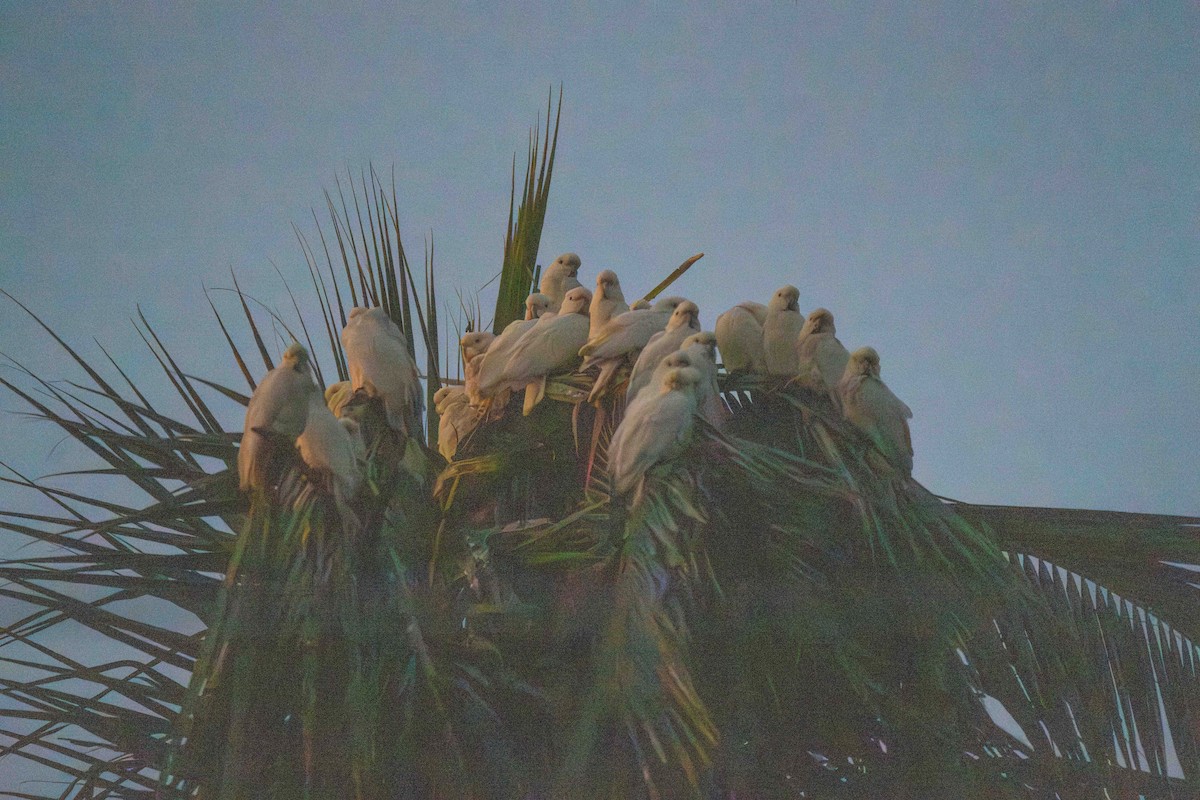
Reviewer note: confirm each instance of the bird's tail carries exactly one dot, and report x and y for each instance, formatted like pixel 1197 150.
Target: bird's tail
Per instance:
pixel 607 368
pixel 534 392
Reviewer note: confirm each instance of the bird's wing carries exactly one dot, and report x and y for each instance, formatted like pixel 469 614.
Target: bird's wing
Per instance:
pixel 491 367
pixel 889 418
pixel 830 355
pixel 780 332
pixel 740 340
pixel 757 310
pixel 547 348
pixel 661 345
pixel 624 333
pixel 281 402
pixel 654 426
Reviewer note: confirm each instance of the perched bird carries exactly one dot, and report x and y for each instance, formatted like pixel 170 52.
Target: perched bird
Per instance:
pixel 379 363
pixel 560 277
pixel 869 405
pixel 551 345
pixel 333 448
pixel 653 430
pixel 699 356
pixel 780 329
pixel 684 321
pixel 740 338
pixel 821 358
pixel 457 418
pixel 622 336
pixel 278 406
pixel 491 366
pixel 607 301
pixel 474 345
pixel 701 349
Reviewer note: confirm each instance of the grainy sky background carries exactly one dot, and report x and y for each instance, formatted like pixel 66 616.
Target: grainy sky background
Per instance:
pixel 1002 201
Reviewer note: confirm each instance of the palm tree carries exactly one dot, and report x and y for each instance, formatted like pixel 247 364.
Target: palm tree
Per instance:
pixel 779 615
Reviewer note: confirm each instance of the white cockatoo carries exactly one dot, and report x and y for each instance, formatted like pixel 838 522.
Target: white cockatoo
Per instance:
pixel 821 358
pixel 621 337
pixel 560 277
pixel 379 363
pixel 491 367
pixel 740 338
pixel 708 397
pixel 780 329
pixel 551 345
pixel 457 418
pixel 701 349
pixel 654 429
pixel 337 395
pixel 278 406
pixel 869 405
pixel 474 345
pixel 607 301
pixel 684 321
pixel 334 448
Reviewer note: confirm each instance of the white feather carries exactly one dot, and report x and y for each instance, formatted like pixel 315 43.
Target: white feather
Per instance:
pixel 821 357
pixel 329 445
pixel 378 361
pixel 551 345
pixel 491 365
pixel 622 336
pixel 559 278
pixel 457 419
pixel 607 301
pixel 474 346
pixel 653 430
pixel 280 405
pixel 740 339
pixel 782 326
pixel 701 349
pixel 684 321
pixel 869 405
pixel 698 352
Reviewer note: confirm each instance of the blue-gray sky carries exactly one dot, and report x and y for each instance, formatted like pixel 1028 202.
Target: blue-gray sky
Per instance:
pixel 1003 201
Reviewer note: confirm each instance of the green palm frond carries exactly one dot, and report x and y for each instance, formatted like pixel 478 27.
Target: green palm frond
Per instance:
pixel 524 232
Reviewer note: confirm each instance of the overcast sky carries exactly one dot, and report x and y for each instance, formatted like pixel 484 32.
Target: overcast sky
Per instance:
pixel 1003 201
